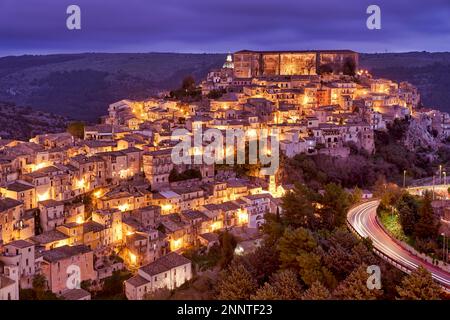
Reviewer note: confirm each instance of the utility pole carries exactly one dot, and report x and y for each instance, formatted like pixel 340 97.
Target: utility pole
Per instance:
pixel 444 249
pixel 433 186
pixel 404 179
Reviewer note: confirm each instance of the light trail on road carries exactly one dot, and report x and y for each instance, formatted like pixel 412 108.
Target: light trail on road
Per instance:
pixel 363 220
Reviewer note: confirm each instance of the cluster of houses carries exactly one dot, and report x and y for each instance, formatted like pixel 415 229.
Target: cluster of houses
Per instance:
pixel 115 199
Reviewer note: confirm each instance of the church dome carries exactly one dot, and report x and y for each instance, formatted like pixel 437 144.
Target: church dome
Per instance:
pixel 229 62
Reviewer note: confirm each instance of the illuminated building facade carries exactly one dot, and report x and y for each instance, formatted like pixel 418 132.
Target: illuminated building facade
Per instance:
pixel 249 64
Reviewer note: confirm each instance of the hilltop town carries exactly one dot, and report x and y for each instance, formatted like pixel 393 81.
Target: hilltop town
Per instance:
pixel 78 208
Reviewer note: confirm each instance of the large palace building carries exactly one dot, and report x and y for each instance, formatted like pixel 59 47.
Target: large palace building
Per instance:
pixel 249 64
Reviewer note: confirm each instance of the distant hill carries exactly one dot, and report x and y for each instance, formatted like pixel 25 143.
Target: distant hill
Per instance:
pixel 25 123
pixel 430 72
pixel 81 86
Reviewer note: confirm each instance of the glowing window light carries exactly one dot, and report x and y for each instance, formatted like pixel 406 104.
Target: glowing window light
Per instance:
pixel 242 217
pixel 124 173
pixel 176 244
pixel 166 207
pixel 80 184
pixel 252 133
pixel 98 194
pixel 123 207
pixel 79 220
pixel 43 196
pixel 39 166
pixel 216 226
pixel 133 258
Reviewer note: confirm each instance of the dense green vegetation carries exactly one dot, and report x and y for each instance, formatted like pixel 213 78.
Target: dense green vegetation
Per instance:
pixel 139 75
pixel 361 169
pixel 81 86
pixel 411 219
pixel 188 91
pixel 308 253
pixel 76 129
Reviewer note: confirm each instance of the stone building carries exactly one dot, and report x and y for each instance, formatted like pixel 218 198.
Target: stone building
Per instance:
pixel 249 64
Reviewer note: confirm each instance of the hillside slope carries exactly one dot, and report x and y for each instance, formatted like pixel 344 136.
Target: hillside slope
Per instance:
pixel 430 72
pixel 80 86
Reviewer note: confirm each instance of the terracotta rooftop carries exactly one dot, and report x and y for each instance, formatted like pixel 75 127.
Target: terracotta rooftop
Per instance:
pixel 137 281
pixel 165 263
pixel 65 252
pixel 8 203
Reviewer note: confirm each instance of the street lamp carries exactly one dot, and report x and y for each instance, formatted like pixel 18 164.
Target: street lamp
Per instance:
pixel 440 174
pixel 444 249
pixel 433 185
pixel 404 178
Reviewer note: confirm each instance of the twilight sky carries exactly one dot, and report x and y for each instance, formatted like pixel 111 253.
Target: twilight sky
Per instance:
pixel 39 26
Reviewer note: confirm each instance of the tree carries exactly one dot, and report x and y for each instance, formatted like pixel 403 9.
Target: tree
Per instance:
pixel 283 285
pixel 344 252
pixel 292 244
pixel 227 244
pixel 311 269
pixel 296 249
pixel 349 67
pixel 298 210
pixel 76 129
pixel 317 291
pixel 335 203
pixel 286 284
pixel 356 195
pixel 427 226
pixel 354 287
pixel 418 285
pixel 273 228
pixel 390 195
pixel 236 283
pixel 266 292
pixel 408 207
pixel 263 262
pixel 39 285
pixel 188 90
pixel 188 84
pixel 159 294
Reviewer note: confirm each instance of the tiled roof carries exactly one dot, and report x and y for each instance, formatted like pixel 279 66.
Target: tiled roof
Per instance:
pixel 137 281
pixel 165 263
pixel 65 252
pixel 19 186
pixel 75 294
pixel 20 244
pixel 8 203
pixel 48 237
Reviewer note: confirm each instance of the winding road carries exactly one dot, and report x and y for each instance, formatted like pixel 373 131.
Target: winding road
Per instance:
pixel 362 220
